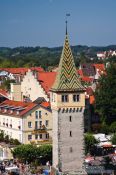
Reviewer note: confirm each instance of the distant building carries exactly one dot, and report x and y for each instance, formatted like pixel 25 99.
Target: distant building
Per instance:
pixel 106 54
pixel 16 74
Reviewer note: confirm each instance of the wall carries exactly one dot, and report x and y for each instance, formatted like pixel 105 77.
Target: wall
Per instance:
pixel 15 93
pixel 22 133
pixel 46 115
pixel 31 88
pixel 13 131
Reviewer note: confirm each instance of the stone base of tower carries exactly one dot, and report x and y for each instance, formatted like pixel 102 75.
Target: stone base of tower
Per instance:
pixel 68 152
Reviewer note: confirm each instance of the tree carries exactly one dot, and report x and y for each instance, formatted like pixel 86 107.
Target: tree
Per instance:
pixel 105 95
pixel 45 153
pixel 2 135
pixel 26 152
pixel 89 142
pixel 113 127
pixel 113 139
pixel 32 153
pixel 6 84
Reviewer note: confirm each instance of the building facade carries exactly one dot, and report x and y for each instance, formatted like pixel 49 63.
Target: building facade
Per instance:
pixel 27 122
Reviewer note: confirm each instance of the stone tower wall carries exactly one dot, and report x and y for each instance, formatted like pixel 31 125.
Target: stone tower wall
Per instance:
pixel 68 150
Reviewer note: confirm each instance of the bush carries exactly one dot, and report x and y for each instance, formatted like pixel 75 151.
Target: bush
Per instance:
pixel 89 142
pixel 113 139
pixel 113 127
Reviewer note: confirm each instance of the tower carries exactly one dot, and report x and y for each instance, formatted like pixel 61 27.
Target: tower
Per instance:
pixel 67 103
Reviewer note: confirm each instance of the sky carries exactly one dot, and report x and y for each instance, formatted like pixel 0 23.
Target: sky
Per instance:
pixel 42 22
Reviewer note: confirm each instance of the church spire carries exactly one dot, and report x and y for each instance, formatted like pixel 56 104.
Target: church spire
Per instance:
pixel 66 27
pixel 67 79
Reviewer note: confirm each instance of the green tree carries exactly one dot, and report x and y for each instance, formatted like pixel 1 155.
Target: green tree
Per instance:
pixel 26 152
pixel 113 127
pixel 105 95
pixel 45 153
pixel 32 153
pixel 6 84
pixel 104 128
pixel 113 139
pixel 2 135
pixel 89 142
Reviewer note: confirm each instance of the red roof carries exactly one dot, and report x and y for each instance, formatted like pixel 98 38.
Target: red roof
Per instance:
pixel 87 79
pixel 24 106
pixel 45 104
pixel 38 69
pixel 80 72
pixel 89 91
pixel 92 99
pixel 22 70
pixel 46 79
pixel 3 93
pixel 101 67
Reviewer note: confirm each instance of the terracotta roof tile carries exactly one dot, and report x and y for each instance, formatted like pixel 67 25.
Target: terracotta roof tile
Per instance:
pixel 22 70
pixel 92 99
pixel 101 67
pixel 3 93
pixel 87 79
pixel 46 79
pixel 26 106
pixel 89 91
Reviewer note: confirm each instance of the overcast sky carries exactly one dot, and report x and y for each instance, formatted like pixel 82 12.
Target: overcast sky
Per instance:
pixel 42 22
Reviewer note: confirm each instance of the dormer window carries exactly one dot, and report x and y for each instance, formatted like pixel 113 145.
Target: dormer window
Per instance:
pixel 11 111
pixel 17 112
pixel 76 97
pixel 5 110
pixel 64 98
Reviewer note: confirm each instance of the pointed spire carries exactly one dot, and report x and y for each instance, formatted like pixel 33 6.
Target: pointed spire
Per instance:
pixel 67 79
pixel 66 27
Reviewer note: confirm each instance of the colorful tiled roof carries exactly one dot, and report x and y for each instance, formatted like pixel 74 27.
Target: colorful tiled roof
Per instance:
pixel 67 79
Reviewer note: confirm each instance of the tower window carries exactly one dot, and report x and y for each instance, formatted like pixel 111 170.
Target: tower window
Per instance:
pixel 70 118
pixel 70 133
pixel 71 150
pixel 64 98
pixel 76 98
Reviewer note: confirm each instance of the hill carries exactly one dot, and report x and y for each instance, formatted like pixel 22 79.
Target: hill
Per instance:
pixel 45 57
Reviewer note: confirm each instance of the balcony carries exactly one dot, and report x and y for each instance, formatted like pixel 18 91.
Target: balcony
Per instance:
pixel 41 129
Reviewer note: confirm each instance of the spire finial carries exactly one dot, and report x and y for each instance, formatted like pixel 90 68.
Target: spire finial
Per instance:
pixel 66 26
pixel 67 14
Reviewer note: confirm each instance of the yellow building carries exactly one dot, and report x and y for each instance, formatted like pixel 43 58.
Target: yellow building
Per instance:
pixel 27 122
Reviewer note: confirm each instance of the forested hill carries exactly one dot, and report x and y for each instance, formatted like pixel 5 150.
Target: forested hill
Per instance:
pixel 44 56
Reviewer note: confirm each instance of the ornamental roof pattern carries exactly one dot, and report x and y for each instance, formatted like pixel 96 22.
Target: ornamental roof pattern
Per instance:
pixel 67 78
